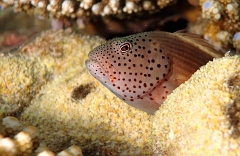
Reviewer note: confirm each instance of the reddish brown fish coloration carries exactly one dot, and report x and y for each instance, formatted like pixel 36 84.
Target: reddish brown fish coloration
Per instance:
pixel 142 69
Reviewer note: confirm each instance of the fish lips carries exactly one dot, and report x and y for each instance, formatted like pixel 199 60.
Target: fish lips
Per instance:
pixel 102 70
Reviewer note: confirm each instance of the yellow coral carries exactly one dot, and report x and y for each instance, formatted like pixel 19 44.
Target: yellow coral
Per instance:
pixel 223 15
pixel 202 116
pixel 8 147
pixel 11 125
pixel 72 108
pixel 20 79
pixel 43 150
pixel 76 151
pixel 46 153
pixel 25 142
pixel 34 134
pixel 51 53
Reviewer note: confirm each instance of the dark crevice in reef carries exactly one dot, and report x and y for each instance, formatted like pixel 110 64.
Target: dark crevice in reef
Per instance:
pixel 80 92
pixel 233 110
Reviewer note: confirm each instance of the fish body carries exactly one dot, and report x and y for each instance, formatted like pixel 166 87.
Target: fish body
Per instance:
pixel 142 69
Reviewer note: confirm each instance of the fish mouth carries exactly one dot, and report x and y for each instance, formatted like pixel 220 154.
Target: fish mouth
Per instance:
pixel 103 65
pixel 90 64
pixel 92 61
pixel 87 62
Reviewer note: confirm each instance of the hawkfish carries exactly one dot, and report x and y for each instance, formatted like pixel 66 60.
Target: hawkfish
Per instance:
pixel 144 68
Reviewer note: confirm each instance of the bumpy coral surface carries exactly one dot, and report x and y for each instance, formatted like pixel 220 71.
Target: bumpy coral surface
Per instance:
pixel 224 22
pixel 80 109
pixel 202 117
pixel 16 141
pixel 26 142
pixel 38 62
pixel 73 108
pixel 80 8
pixel 20 80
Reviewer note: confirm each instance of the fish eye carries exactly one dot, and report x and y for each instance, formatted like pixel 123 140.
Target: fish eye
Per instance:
pixel 125 47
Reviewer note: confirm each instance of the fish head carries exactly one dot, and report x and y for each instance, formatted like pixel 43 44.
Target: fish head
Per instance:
pixel 130 66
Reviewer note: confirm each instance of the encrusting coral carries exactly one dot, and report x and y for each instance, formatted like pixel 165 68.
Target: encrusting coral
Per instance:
pixel 202 116
pixel 32 66
pixel 80 109
pixel 69 109
pixel 26 141
pixel 224 22
pixel 20 80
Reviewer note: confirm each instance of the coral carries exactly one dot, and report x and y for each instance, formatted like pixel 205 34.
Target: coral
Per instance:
pixel 34 134
pixel 202 116
pixel 74 110
pixel 43 150
pixel 8 147
pixel 71 151
pixel 38 62
pixel 46 153
pixel 60 50
pixel 105 17
pixel 236 42
pixel 80 8
pixel 26 142
pixel 68 109
pixel 75 150
pixel 20 80
pixel 11 125
pixel 224 22
pixel 22 144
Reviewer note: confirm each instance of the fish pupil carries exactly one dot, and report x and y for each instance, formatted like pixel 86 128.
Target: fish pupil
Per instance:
pixel 125 47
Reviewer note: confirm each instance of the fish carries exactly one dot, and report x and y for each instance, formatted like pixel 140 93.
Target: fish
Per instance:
pixel 143 69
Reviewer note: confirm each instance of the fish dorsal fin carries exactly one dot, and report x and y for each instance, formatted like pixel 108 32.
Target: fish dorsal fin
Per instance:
pixel 200 42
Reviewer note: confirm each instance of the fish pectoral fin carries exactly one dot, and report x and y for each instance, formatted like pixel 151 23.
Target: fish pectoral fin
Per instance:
pixel 177 82
pixel 173 84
